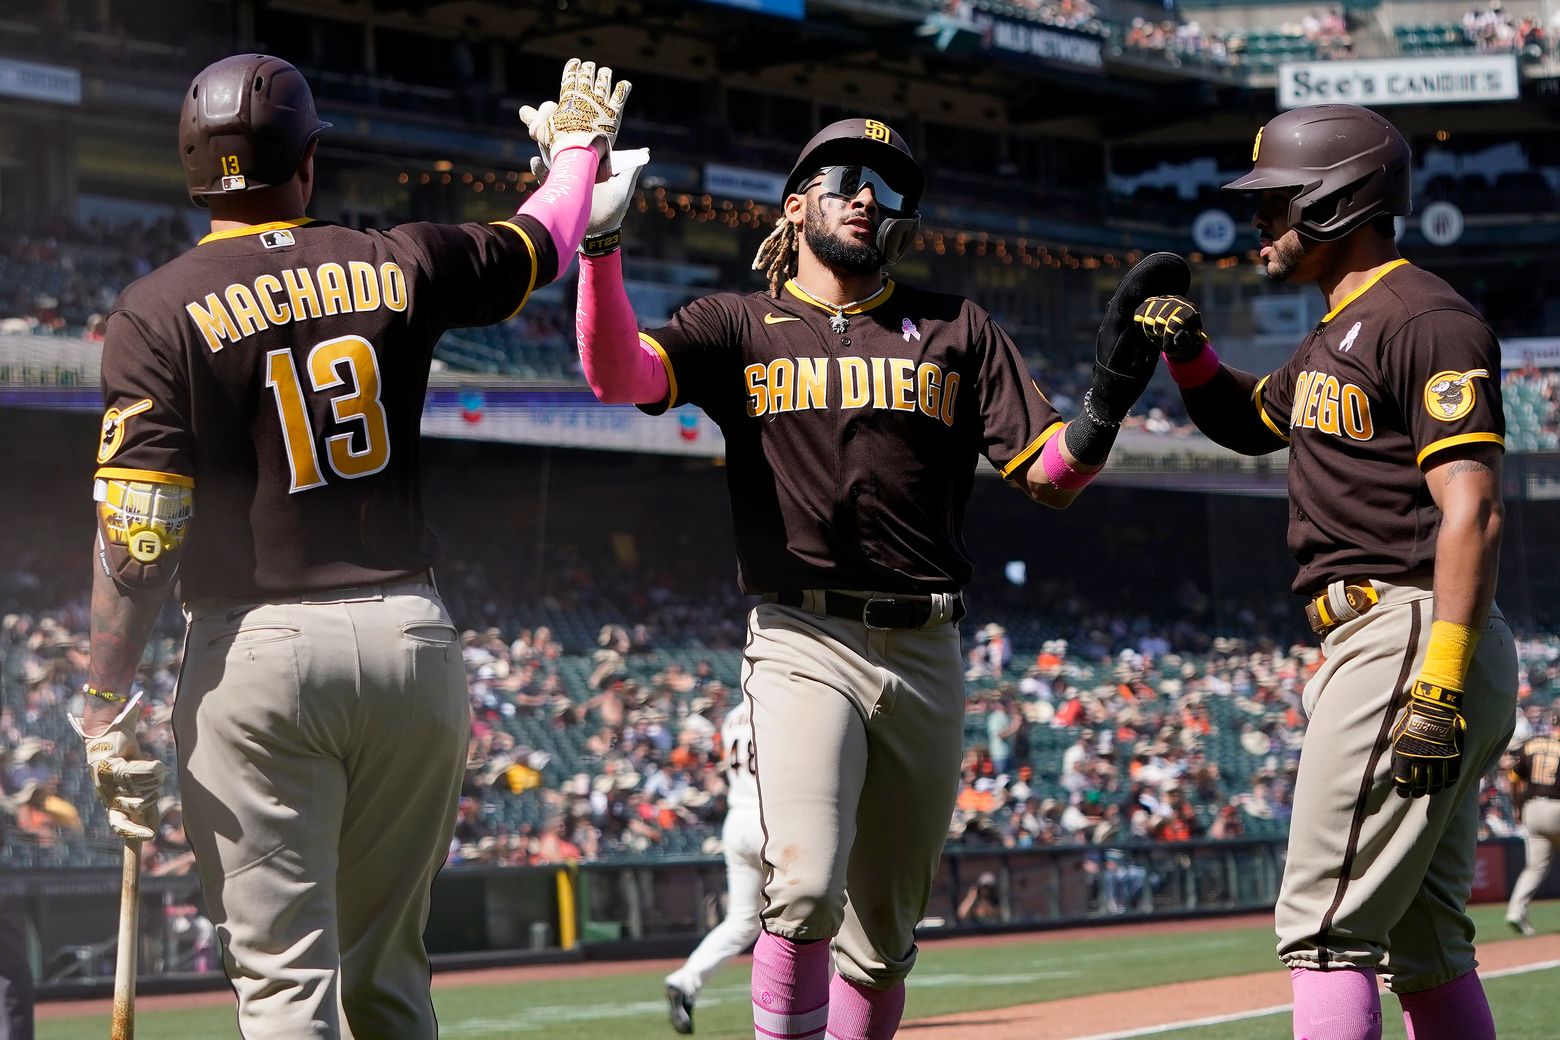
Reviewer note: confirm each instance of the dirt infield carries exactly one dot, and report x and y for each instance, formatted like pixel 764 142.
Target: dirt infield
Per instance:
pixel 1098 1015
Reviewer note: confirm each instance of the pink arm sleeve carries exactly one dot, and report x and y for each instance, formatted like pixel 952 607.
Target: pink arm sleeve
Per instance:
pixel 619 366
pixel 562 204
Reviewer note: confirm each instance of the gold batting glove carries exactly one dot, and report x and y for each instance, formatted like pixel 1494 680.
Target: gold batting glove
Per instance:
pixel 126 783
pixel 587 113
pixel 1173 324
pixel 1427 741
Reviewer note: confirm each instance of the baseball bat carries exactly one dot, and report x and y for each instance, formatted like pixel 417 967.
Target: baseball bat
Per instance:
pixel 122 1025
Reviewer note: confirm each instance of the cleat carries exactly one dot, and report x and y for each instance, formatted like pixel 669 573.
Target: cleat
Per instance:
pixel 679 1009
pixel 1521 926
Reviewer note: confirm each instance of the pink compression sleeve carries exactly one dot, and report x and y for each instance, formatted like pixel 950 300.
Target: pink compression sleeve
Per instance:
pixel 562 204
pixel 619 366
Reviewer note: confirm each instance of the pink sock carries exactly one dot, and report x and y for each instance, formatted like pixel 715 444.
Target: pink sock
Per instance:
pixel 1342 1004
pixel 858 1012
pixel 1455 1010
pixel 790 988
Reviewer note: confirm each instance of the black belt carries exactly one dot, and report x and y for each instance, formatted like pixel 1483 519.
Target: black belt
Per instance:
pixel 902 610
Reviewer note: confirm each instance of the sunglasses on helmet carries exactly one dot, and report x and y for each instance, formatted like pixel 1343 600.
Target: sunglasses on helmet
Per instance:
pixel 846 182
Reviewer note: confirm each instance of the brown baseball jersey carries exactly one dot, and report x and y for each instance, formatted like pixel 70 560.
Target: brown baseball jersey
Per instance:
pixel 1402 369
pixel 1538 763
pixel 280 369
pixel 851 438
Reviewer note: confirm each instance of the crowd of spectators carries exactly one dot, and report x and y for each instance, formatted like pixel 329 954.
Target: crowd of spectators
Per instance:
pixel 61 277
pixel 1322 34
pixel 1491 29
pixel 1119 732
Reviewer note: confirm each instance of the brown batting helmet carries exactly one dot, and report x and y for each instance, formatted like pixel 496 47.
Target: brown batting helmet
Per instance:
pixel 868 142
pixel 247 121
pixel 1345 164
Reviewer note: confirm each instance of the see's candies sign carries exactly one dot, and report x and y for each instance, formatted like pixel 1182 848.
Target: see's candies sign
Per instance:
pixel 1399 81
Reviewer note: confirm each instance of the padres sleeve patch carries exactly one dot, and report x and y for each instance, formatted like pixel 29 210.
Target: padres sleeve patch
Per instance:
pixel 112 434
pixel 1450 395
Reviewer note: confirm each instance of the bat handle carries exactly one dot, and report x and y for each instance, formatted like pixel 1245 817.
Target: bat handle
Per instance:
pixel 122 1025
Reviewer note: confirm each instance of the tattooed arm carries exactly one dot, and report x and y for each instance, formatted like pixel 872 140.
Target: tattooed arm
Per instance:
pixel 122 622
pixel 1466 487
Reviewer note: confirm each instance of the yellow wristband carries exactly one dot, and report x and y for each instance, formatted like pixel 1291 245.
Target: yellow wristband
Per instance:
pixel 1449 654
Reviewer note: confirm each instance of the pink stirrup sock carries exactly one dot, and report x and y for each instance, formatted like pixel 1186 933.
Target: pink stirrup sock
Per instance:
pixel 620 367
pixel 1343 1004
pixel 1456 1010
pixel 790 989
pixel 562 205
pixel 857 1012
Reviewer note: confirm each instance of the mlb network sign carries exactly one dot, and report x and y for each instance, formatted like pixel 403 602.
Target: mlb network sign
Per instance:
pixel 1399 81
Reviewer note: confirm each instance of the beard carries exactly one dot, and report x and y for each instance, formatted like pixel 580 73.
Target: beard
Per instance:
pixel 1288 253
pixel 850 257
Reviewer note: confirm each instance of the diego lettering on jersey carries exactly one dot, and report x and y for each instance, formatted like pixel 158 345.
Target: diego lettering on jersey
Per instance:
pixel 897 384
pixel 1324 403
pixel 242 310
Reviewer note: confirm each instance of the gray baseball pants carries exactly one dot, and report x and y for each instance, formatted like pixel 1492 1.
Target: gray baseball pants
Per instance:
pixel 1373 879
pixel 858 734
pixel 321 745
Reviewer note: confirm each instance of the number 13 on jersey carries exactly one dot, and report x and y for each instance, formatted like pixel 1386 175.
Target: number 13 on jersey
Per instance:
pixel 347 361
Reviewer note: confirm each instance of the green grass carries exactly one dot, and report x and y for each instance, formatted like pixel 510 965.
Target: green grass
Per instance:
pixel 1524 1007
pixel 946 980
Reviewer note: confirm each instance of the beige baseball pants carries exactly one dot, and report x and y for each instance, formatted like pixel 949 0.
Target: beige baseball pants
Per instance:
pixel 1373 879
pixel 858 734
pixel 321 745
pixel 1541 818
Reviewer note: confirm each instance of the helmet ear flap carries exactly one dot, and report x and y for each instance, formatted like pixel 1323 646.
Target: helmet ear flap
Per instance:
pixel 895 235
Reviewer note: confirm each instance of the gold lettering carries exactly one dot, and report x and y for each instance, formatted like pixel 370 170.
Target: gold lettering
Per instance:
pixel 245 310
pixel 1327 414
pixel 930 396
pixel 365 286
pixel 879 383
pixel 758 393
pixel 266 288
pixel 854 380
pixel 950 394
pixel 1312 399
pixel 782 383
pixel 333 289
pixel 902 372
pixel 301 294
pixel 1356 413
pixel 812 383
pixel 213 321
pixel 1302 389
pixel 394 283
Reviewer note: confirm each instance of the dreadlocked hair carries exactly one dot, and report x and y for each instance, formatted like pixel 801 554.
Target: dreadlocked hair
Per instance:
pixel 776 257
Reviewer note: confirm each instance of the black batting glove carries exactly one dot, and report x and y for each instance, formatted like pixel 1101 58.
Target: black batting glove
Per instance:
pixel 1427 741
pixel 1124 359
pixel 1173 324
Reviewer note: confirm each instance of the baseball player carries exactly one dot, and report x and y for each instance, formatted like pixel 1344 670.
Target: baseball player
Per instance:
pixel 263 396
pixel 1391 414
pixel 742 838
pixel 1537 768
pixel 854 409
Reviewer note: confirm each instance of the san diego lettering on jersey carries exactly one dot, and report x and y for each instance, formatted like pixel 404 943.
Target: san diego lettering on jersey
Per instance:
pixel 242 309
pixel 898 384
pixel 1323 402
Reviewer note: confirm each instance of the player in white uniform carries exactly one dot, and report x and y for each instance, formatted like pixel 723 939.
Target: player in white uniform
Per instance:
pixel 743 839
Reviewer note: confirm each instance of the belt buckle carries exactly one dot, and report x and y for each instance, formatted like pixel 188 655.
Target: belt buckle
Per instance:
pixel 866 612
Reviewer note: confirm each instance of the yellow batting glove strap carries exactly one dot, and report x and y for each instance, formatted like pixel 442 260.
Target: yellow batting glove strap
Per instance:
pixel 1448 656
